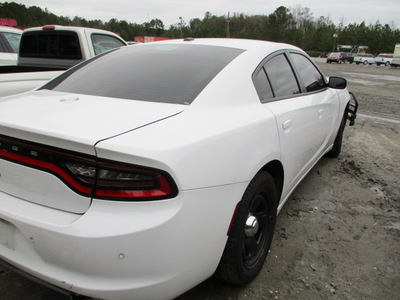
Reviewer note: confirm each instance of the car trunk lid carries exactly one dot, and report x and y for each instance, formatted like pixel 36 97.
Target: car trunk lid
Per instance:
pixel 40 127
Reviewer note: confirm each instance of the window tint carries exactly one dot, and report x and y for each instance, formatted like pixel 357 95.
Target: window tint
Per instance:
pixel 152 72
pixel 13 40
pixel 103 43
pixel 50 44
pixel 262 85
pixel 309 74
pixel 281 76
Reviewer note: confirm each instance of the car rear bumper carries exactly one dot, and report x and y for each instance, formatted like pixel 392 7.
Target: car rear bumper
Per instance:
pixel 120 250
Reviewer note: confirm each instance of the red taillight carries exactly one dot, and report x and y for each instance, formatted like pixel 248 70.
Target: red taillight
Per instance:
pixel 114 180
pixel 90 176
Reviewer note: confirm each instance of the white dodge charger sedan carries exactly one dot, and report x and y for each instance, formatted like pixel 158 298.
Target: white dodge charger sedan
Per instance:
pixel 142 172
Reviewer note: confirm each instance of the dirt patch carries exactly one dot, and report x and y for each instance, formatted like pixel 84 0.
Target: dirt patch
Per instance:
pixel 338 236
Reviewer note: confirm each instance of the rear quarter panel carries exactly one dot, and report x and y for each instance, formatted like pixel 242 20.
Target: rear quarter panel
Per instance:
pixel 202 149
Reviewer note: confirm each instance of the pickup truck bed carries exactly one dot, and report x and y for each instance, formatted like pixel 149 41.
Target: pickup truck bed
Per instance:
pixel 20 82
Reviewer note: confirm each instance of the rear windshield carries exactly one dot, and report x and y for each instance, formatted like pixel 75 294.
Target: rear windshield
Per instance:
pixel 50 44
pixel 157 72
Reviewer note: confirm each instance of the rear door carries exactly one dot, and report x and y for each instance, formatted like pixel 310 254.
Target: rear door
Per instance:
pixel 297 111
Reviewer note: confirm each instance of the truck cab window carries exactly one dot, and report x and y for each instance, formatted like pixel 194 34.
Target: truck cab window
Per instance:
pixel 103 43
pixel 13 39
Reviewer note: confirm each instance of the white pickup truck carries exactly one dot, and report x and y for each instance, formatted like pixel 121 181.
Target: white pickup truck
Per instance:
pixel 45 52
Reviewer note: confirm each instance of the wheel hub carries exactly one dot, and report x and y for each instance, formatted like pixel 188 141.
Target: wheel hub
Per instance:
pixel 251 227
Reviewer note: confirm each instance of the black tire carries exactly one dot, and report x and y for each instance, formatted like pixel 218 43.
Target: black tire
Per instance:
pixel 337 144
pixel 251 233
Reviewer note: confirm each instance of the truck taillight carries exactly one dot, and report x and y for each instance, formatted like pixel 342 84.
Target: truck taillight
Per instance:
pixel 49 27
pixel 90 176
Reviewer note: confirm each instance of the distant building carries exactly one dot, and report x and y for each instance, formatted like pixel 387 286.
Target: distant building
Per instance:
pixel 149 39
pixel 353 49
pixel 8 22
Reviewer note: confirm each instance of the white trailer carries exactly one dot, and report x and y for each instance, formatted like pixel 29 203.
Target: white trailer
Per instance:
pixel 396 56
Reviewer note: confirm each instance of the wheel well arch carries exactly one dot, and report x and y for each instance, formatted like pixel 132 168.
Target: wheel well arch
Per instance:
pixel 275 168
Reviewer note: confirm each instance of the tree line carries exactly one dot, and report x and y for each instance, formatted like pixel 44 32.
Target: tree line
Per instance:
pixel 295 26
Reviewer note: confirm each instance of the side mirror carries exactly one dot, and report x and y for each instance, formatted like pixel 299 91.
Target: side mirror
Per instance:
pixel 337 83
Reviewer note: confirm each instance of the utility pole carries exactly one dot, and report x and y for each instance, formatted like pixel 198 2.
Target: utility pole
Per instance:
pixel 228 34
pixel 181 25
pixel 335 36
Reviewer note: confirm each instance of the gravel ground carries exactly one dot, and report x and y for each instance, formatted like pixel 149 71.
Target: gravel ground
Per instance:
pixel 338 236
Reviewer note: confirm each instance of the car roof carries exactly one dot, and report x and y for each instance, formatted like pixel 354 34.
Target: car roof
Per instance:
pixel 246 56
pixel 244 44
pixel 254 51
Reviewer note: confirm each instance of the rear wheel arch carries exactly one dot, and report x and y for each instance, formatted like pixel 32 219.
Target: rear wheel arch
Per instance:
pixel 275 168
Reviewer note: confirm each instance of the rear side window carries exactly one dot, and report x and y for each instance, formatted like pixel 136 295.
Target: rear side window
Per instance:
pixel 281 76
pixel 309 74
pixel 50 44
pixel 263 86
pixel 154 72
pixel 103 43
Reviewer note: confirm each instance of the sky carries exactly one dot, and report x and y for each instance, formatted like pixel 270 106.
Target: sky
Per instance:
pixel 169 11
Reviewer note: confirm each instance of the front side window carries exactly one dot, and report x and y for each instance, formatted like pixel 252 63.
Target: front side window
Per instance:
pixel 309 74
pixel 103 43
pixel 281 76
